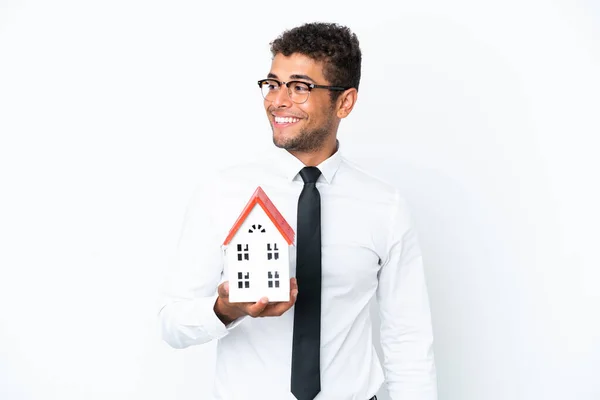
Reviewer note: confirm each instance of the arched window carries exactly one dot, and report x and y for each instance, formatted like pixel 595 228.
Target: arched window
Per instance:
pixel 256 228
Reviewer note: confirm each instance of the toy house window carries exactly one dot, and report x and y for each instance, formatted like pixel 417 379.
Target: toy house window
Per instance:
pixel 243 252
pixel 272 251
pixel 243 280
pixel 256 228
pixel 273 280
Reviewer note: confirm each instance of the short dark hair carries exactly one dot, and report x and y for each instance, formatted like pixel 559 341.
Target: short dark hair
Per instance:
pixel 335 45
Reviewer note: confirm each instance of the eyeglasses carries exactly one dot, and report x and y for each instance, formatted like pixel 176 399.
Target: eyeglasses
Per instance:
pixel 297 90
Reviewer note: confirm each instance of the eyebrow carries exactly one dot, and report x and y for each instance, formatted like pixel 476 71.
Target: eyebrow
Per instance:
pixel 295 76
pixel 306 77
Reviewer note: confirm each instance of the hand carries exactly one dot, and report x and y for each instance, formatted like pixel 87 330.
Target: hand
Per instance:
pixel 229 312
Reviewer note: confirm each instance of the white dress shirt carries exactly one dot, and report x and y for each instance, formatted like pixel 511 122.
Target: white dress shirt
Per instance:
pixel 369 247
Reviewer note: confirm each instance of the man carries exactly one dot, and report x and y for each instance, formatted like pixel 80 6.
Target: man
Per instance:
pixel 355 240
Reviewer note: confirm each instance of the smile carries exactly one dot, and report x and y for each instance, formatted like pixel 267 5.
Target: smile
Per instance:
pixel 286 120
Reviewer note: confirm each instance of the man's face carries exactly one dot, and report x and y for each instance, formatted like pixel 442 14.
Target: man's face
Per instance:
pixel 300 127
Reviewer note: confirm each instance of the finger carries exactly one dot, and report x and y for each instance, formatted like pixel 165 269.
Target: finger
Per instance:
pixel 293 296
pixel 277 309
pixel 254 310
pixel 293 290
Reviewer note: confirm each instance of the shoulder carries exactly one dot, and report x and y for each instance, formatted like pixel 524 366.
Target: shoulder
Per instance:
pixel 229 179
pixel 240 168
pixel 231 172
pixel 370 187
pixel 364 179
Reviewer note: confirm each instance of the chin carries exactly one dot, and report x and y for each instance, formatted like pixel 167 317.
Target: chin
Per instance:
pixel 282 144
pixel 282 140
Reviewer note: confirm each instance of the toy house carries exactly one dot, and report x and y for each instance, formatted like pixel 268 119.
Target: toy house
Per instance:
pixel 257 252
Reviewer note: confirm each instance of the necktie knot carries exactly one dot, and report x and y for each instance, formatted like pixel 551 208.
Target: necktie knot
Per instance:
pixel 310 174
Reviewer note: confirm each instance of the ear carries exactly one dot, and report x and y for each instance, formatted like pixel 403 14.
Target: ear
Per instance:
pixel 346 102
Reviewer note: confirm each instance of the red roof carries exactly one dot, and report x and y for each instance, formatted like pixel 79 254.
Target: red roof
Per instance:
pixel 261 198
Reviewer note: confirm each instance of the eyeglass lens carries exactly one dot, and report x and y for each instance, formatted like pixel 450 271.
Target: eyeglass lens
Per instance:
pixel 298 91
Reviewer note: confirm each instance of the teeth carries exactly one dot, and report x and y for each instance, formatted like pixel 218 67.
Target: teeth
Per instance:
pixel 286 120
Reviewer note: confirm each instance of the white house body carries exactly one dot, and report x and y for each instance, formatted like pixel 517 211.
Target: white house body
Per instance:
pixel 257 253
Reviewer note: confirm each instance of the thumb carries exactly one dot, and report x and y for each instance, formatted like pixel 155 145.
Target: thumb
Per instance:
pixel 223 289
pixel 258 307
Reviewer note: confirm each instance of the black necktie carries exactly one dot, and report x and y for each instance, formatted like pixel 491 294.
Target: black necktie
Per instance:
pixel 306 348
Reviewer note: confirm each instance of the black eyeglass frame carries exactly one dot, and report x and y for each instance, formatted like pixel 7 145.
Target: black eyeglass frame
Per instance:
pixel 311 86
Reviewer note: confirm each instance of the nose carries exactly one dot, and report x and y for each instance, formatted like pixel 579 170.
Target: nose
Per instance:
pixel 282 98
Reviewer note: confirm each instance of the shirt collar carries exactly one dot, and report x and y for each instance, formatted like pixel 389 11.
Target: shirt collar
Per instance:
pixel 290 166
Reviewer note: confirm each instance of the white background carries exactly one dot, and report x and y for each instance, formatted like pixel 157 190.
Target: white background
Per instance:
pixel 486 114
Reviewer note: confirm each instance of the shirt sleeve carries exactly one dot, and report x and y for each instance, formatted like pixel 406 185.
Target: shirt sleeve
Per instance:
pixel 406 329
pixel 187 316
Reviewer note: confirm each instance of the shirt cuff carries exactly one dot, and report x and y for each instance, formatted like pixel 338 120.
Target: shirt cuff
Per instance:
pixel 215 327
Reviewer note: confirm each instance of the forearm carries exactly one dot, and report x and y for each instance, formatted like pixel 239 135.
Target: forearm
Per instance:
pixel 409 364
pixel 407 334
pixel 190 322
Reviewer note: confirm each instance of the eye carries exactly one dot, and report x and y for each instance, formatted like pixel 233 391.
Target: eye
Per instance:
pixel 271 85
pixel 301 88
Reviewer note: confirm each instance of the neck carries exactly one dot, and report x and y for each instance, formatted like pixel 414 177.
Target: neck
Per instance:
pixel 314 158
